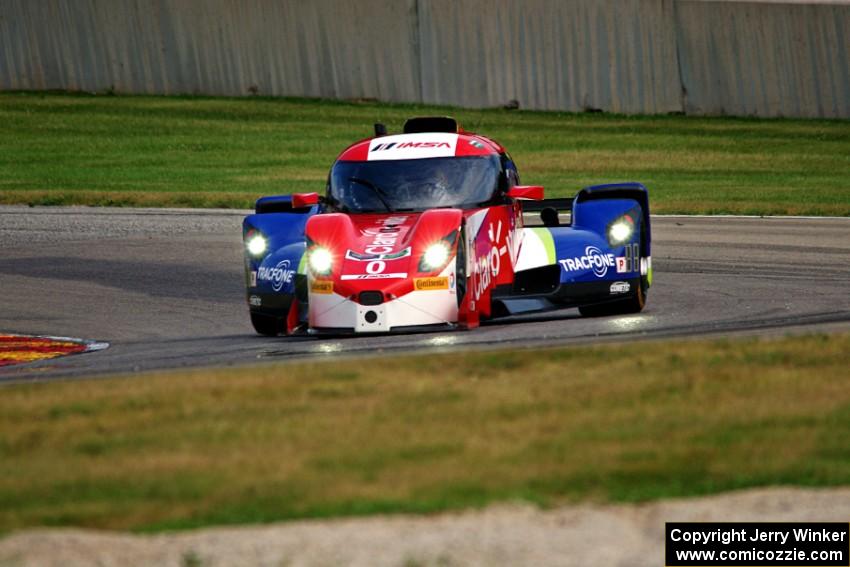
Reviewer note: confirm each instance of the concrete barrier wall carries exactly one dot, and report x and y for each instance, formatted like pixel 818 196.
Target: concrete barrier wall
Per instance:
pixel 320 48
pixel 614 55
pixel 631 56
pixel 752 58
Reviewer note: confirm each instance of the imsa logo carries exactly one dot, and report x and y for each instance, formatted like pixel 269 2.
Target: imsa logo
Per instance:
pixel 411 145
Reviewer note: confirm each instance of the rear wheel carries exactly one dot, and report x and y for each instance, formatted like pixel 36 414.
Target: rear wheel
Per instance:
pixel 265 324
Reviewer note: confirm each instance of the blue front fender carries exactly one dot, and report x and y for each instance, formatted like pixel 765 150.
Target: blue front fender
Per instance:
pixel 583 251
pixel 275 271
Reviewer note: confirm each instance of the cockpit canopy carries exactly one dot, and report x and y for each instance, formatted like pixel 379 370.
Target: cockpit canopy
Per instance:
pixel 414 184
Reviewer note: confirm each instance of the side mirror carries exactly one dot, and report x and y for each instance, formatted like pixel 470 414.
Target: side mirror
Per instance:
pixel 533 192
pixel 302 200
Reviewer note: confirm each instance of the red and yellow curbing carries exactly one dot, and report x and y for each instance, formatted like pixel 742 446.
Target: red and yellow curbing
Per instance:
pixel 20 349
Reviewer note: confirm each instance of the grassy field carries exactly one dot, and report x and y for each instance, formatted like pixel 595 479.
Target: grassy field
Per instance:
pixel 426 433
pixel 223 152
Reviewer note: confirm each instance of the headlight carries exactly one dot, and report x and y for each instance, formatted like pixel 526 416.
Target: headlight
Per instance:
pixel 256 245
pixel 621 231
pixel 435 256
pixel 320 260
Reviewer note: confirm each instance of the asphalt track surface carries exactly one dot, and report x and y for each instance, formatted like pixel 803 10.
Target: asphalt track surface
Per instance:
pixel 165 289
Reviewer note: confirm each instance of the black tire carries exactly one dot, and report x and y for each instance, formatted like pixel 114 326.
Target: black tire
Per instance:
pixel 460 266
pixel 265 324
pixel 630 305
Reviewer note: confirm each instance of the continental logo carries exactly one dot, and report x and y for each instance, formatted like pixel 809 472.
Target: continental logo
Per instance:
pixel 321 286
pixel 428 284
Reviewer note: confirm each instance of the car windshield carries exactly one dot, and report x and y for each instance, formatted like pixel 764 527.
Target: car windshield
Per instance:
pixel 413 184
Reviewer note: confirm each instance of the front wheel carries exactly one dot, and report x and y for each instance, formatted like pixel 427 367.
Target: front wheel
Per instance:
pixel 460 266
pixel 627 306
pixel 630 305
pixel 265 324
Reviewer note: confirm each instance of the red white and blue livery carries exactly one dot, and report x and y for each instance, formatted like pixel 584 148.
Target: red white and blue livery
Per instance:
pixel 431 229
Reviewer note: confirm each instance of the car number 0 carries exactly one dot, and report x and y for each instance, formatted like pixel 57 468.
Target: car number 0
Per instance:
pixel 376 267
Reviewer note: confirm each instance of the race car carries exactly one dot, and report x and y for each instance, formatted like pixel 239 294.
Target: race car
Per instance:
pixel 431 229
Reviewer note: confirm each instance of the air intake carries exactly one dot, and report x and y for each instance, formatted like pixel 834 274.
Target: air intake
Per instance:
pixel 371 298
pixel 431 124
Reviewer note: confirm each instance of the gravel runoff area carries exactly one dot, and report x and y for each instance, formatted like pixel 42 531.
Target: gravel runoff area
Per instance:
pixel 510 534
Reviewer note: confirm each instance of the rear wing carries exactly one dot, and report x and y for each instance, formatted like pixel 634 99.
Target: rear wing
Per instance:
pixel 631 190
pixel 562 205
pixel 565 205
pixel 295 203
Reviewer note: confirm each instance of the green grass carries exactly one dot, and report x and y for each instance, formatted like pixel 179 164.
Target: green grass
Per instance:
pixel 224 152
pixel 426 433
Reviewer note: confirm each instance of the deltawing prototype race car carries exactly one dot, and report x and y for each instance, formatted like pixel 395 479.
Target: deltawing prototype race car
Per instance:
pixel 429 229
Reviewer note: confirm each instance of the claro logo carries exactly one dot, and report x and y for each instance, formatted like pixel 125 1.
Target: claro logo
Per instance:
pixel 488 267
pixel 410 145
pixel 385 236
